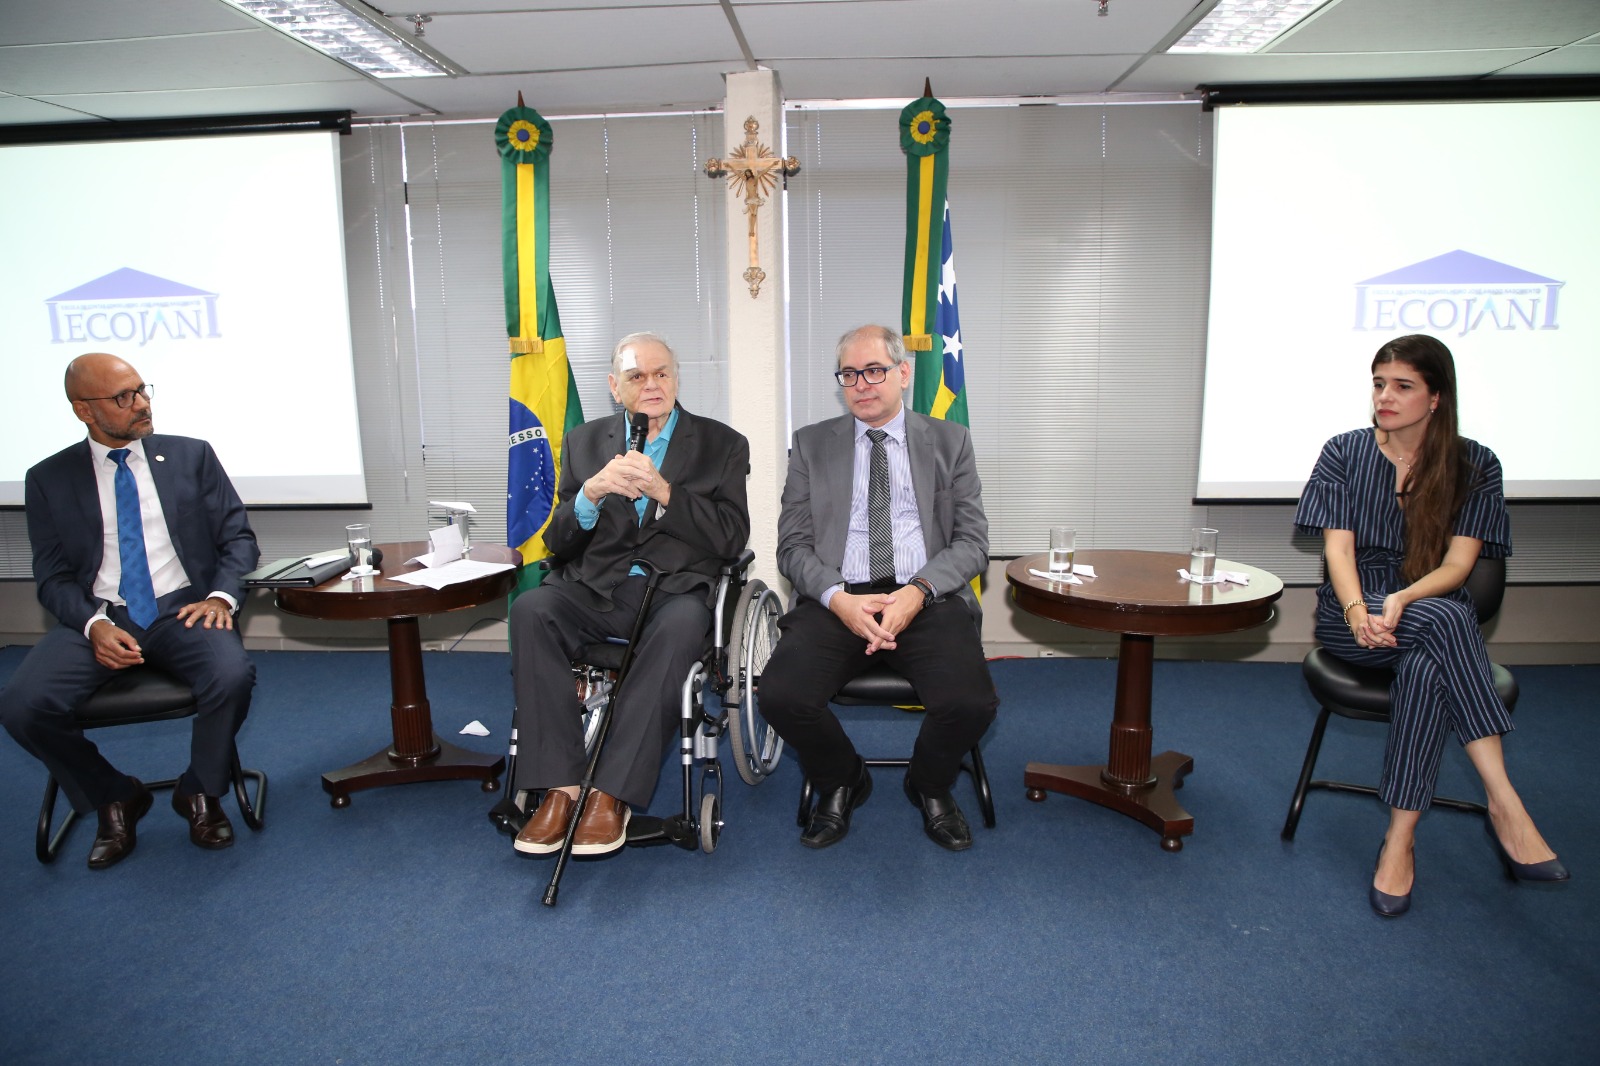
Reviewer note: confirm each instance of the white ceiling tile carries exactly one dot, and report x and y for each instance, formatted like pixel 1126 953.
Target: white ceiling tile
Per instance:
pixel 579 40
pixel 1159 73
pixel 893 28
pixel 20 110
pixel 1578 59
pixel 165 58
pixel 688 87
pixel 1442 25
pixel 58 21
pixel 244 57
pixel 828 79
pixel 363 97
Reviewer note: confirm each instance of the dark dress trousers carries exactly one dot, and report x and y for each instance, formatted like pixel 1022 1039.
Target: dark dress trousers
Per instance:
pixel 590 597
pixel 211 535
pixel 940 652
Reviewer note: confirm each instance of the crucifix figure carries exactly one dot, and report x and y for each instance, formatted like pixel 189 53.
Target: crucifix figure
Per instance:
pixel 753 169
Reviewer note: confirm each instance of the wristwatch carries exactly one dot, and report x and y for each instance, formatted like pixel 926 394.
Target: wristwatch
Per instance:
pixel 927 589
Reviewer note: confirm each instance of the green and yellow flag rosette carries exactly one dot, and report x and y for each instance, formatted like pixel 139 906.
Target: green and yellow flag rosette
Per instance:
pixel 924 137
pixel 544 398
pixel 931 320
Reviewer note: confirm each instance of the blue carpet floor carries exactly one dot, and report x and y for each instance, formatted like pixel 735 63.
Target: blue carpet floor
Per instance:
pixel 404 929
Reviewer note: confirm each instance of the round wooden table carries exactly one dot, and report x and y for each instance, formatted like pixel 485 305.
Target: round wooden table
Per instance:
pixel 417 753
pixel 1139 595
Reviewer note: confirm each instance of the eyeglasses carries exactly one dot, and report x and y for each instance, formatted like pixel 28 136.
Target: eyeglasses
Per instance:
pixel 875 375
pixel 124 399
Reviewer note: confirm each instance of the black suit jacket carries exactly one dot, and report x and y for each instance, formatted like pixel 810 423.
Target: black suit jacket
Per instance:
pixel 707 523
pixel 204 515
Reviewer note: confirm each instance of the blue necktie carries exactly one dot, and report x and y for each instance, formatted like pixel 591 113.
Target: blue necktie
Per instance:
pixel 137 590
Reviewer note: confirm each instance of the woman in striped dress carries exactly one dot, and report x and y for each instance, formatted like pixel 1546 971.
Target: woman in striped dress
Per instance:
pixel 1405 509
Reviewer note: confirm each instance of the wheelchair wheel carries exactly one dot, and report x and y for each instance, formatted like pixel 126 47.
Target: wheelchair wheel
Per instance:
pixel 756 745
pixel 710 822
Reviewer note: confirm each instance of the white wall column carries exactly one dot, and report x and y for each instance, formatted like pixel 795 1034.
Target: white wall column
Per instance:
pixel 758 327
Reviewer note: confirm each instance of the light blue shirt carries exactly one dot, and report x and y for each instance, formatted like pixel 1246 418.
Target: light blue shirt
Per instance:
pixel 588 513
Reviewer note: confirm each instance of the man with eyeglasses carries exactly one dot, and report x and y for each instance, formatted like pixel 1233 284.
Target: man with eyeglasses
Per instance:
pixel 673 495
pixel 127 527
pixel 881 532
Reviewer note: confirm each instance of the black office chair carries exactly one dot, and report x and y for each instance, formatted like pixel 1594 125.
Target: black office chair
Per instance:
pixel 882 687
pixel 1362 693
pixel 133 696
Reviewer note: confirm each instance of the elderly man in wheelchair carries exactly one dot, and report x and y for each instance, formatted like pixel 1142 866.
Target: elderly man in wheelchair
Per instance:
pixel 658 484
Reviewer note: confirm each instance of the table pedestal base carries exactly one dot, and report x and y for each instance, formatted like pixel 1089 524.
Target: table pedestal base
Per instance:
pixel 446 763
pixel 1153 804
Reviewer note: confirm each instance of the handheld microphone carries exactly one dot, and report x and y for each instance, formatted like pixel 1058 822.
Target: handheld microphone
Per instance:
pixel 641 427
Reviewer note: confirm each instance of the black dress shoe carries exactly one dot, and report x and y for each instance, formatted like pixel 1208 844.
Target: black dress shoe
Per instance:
pixel 208 825
pixel 831 820
pixel 1383 904
pixel 1548 872
pixel 942 820
pixel 118 827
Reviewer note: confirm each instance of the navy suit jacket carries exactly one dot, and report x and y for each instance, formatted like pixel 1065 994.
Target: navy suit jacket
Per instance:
pixel 815 520
pixel 706 524
pixel 204 515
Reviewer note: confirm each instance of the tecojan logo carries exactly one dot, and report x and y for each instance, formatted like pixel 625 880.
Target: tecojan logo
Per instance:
pixel 132 306
pixel 1457 292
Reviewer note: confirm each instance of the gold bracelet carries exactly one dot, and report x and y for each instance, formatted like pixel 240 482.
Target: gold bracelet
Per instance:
pixel 1352 603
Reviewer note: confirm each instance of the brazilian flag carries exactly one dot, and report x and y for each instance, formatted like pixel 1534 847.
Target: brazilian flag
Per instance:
pixel 544 397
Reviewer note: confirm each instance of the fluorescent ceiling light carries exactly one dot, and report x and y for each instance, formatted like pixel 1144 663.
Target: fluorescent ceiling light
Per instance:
pixel 353 34
pixel 1235 27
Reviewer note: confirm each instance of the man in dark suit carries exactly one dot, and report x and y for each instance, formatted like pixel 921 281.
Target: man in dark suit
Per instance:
pixel 680 504
pixel 126 528
pixel 881 531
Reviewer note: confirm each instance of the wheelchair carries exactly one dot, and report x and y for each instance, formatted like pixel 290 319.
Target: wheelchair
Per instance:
pixel 744 631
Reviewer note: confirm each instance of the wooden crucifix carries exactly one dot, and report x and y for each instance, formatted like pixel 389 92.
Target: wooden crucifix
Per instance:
pixel 752 169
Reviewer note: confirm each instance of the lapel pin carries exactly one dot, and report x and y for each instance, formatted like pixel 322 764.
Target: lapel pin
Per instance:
pixel 161 458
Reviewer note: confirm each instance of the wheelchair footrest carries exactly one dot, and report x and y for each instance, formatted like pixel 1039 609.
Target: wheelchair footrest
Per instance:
pixel 646 831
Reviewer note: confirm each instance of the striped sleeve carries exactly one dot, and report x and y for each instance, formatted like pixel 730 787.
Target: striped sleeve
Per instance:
pixel 1483 515
pixel 1325 501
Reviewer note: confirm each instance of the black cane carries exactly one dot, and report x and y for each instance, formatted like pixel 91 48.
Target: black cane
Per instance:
pixel 587 785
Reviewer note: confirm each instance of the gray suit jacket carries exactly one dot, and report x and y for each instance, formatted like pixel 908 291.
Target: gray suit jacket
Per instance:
pixel 816 506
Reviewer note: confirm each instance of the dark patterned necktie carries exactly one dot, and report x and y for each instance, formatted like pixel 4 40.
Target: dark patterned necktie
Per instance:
pixel 880 527
pixel 137 590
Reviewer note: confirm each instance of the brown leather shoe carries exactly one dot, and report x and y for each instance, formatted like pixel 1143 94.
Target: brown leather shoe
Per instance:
pixel 547 827
pixel 208 825
pixel 603 827
pixel 118 827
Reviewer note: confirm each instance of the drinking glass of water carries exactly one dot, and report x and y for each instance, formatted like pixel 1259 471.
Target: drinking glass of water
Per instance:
pixel 359 537
pixel 1063 541
pixel 1202 553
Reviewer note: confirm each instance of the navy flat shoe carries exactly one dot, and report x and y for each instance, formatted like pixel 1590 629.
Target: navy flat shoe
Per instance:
pixel 1550 871
pixel 1383 904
